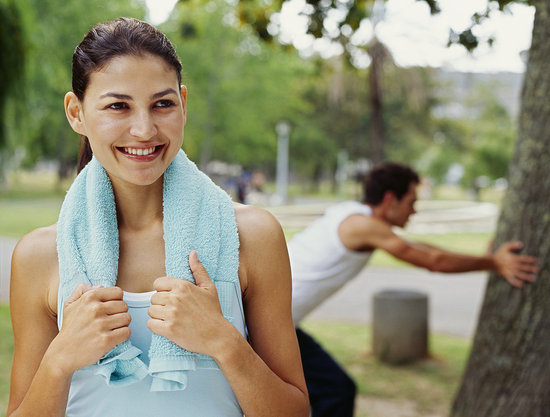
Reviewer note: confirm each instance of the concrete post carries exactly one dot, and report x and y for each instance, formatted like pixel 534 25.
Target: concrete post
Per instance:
pixel 283 130
pixel 400 326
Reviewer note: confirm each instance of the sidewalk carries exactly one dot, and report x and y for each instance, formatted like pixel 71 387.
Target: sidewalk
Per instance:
pixel 6 248
pixel 454 300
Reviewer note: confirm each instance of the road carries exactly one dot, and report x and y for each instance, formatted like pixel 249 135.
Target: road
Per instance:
pixel 6 248
pixel 454 300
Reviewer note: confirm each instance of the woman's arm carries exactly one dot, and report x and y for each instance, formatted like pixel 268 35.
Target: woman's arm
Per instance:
pixel 37 388
pixel 265 375
pixel 44 359
pixel 268 379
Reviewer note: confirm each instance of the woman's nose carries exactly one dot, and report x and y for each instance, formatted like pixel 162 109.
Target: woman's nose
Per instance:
pixel 143 126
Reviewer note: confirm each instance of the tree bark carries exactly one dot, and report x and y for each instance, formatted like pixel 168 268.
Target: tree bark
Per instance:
pixel 508 372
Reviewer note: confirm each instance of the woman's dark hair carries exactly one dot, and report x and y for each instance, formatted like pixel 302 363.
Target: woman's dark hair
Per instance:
pixel 105 41
pixel 389 176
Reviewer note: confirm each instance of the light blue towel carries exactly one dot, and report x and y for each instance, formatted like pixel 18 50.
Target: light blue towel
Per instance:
pixel 197 215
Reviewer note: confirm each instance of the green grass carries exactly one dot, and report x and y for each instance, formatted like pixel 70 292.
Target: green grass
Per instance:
pixel 33 200
pixel 6 349
pixel 454 192
pixel 34 184
pixel 429 384
pixel 21 215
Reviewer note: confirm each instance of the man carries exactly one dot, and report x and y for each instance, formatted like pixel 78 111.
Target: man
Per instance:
pixel 334 249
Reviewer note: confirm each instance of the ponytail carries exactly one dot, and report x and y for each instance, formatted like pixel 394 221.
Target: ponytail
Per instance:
pixel 84 153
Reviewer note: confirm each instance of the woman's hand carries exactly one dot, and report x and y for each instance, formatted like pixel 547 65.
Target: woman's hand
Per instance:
pixel 95 320
pixel 188 314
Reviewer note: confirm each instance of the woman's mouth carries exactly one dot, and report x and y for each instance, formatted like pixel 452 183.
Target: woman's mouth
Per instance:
pixel 141 153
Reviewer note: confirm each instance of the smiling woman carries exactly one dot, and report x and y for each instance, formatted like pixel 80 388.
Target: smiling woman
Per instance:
pixel 133 104
pixel 144 237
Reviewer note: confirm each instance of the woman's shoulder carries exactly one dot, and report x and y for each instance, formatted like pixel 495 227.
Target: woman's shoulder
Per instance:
pixel 259 234
pixel 255 222
pixel 39 245
pixel 34 264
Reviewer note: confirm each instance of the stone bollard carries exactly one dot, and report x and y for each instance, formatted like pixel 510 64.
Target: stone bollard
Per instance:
pixel 400 326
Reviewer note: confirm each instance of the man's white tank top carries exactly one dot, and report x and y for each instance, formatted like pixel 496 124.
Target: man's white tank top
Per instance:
pixel 207 394
pixel 320 263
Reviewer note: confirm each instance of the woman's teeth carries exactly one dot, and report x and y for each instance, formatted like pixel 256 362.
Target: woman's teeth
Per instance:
pixel 140 151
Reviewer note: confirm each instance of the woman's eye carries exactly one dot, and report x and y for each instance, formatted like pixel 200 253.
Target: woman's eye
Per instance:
pixel 164 103
pixel 118 106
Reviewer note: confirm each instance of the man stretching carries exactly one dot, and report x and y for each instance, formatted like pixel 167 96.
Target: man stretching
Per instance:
pixel 334 249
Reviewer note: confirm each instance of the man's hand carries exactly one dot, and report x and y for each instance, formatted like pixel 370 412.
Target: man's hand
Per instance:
pixel 516 269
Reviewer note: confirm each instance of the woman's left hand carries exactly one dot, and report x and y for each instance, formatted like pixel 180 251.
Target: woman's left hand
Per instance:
pixel 188 314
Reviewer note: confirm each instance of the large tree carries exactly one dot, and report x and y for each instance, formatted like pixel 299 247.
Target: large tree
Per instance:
pixel 11 69
pixel 12 57
pixel 508 373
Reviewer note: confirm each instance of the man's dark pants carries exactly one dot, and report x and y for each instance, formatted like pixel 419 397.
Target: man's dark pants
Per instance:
pixel 331 390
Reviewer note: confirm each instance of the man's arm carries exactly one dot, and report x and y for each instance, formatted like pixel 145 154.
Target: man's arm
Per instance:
pixel 361 232
pixel 515 268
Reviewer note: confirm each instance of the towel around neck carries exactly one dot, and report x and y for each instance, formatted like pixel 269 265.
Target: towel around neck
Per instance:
pixel 197 215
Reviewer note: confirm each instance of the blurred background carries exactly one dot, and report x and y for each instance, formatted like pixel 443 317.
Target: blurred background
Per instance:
pixel 288 108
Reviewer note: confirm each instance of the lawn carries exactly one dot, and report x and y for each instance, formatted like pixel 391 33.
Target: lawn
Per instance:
pixel 6 348
pixel 424 388
pixel 21 215
pixel 33 200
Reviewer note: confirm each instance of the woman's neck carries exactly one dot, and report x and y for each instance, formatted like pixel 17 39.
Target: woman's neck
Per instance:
pixel 138 207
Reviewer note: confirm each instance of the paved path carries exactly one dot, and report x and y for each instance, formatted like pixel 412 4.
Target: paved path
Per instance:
pixel 454 300
pixel 6 248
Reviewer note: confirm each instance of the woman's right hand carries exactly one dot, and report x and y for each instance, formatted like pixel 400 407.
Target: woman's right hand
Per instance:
pixel 95 320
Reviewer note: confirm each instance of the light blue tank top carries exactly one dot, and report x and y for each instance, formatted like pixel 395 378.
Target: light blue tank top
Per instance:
pixel 208 393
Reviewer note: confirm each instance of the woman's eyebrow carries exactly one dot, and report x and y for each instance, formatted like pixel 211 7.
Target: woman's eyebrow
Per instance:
pixel 127 97
pixel 163 93
pixel 116 95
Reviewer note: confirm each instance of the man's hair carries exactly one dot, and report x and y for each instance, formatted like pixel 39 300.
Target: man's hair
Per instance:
pixel 389 176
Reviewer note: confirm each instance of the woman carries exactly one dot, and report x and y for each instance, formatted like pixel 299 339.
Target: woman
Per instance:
pixel 85 345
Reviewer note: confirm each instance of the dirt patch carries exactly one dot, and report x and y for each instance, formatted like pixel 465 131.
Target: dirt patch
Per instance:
pixel 380 407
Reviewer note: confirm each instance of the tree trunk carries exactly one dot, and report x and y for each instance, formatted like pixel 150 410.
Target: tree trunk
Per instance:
pixel 376 52
pixel 508 372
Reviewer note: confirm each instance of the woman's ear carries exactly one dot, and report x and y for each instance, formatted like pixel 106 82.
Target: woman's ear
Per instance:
pixel 73 111
pixel 183 90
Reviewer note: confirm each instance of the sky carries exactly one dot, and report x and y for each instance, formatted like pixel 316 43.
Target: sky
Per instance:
pixel 414 36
